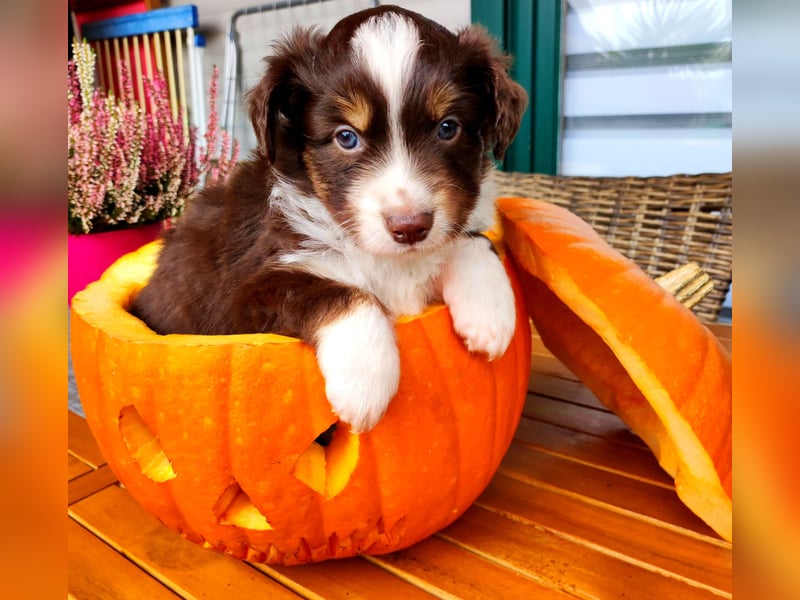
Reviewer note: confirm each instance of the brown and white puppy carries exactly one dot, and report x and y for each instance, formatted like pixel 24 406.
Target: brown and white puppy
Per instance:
pixel 363 202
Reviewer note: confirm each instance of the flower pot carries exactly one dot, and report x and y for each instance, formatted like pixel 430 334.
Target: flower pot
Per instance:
pixel 91 254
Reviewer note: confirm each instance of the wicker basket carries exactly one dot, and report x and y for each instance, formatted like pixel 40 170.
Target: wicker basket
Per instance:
pixel 658 222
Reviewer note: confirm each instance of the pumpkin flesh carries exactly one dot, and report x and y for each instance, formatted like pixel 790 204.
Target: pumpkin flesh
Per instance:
pixel 643 354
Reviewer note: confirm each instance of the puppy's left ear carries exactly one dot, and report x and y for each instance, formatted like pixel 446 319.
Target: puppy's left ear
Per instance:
pixel 509 98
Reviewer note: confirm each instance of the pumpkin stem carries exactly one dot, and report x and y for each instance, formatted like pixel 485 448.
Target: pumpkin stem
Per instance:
pixel 689 284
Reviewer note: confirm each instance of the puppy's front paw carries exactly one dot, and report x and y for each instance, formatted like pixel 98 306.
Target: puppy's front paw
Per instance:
pixel 357 354
pixel 485 320
pixel 481 301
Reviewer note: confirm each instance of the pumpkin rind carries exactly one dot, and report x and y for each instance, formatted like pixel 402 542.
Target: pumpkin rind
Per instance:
pixel 234 415
pixel 643 354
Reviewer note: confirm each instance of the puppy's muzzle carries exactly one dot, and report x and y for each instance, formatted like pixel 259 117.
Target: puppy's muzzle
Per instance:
pixel 409 229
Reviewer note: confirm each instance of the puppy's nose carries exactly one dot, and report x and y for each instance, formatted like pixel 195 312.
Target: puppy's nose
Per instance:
pixel 409 229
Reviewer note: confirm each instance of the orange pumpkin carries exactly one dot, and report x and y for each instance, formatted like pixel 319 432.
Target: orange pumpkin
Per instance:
pixel 215 435
pixel 644 355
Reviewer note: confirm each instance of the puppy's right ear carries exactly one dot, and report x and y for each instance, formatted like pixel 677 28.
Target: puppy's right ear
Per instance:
pixel 275 104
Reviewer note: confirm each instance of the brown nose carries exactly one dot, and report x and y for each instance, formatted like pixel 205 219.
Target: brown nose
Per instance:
pixel 409 229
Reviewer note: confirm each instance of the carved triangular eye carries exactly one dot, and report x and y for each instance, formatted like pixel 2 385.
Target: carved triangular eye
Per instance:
pixel 328 463
pixel 144 446
pixel 234 507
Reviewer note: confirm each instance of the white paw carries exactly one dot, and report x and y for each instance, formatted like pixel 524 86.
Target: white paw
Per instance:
pixel 475 287
pixel 357 354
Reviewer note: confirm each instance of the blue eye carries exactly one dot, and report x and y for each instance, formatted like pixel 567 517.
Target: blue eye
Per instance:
pixel 347 139
pixel 447 129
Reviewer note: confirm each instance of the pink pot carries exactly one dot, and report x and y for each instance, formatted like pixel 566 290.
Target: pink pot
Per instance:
pixel 92 253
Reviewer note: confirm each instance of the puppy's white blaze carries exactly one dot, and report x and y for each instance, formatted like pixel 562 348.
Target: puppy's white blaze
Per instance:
pixel 476 288
pixel 387 44
pixel 358 357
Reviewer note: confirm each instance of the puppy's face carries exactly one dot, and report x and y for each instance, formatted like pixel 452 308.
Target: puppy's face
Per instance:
pixel 389 120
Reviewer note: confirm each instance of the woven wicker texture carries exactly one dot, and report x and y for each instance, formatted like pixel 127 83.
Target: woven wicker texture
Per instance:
pixel 658 222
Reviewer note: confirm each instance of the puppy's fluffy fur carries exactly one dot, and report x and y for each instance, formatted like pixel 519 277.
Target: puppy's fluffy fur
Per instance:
pixel 361 203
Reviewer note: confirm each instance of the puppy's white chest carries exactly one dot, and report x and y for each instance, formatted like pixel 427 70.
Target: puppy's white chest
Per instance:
pixel 406 287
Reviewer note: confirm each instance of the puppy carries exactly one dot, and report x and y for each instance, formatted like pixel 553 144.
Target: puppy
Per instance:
pixel 363 201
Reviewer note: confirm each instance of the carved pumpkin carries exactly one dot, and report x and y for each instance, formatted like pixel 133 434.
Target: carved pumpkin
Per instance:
pixel 642 353
pixel 216 435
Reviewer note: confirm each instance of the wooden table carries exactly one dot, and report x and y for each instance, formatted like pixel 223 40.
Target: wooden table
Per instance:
pixel 579 508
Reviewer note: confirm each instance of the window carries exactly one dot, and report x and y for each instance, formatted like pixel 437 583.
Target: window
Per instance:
pixel 646 87
pixel 619 87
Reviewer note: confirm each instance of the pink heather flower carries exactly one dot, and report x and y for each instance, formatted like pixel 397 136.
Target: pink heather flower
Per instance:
pixel 104 143
pixel 216 168
pixel 128 165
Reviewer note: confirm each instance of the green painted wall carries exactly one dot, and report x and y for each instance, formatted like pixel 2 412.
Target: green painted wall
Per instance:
pixel 530 30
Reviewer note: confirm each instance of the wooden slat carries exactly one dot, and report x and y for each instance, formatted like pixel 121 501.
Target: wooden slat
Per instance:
pixel 99 71
pixel 611 489
pixel 635 461
pixel 450 572
pixel 703 561
pixel 126 58
pixel 182 104
pixel 344 579
pixel 545 363
pixel 185 567
pixel 76 467
pixel 139 76
pixel 599 423
pixel 169 57
pixel 563 389
pixel 110 67
pixel 117 58
pixel 723 331
pixel 560 562
pixel 97 572
pixel 81 443
pixel 158 52
pixel 89 483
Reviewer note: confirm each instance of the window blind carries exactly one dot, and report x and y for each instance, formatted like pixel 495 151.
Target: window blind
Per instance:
pixel 646 87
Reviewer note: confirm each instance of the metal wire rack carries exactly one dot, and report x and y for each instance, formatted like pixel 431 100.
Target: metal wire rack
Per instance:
pixel 232 72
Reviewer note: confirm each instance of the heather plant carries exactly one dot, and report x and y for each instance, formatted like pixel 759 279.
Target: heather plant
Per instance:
pixel 127 165
pixel 167 171
pixel 215 165
pixel 105 138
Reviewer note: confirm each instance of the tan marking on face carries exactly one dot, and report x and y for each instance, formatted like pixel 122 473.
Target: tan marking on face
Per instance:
pixel 440 100
pixel 356 110
pixel 320 187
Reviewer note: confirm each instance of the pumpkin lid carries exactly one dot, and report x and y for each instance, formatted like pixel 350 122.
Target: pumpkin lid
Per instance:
pixel 645 356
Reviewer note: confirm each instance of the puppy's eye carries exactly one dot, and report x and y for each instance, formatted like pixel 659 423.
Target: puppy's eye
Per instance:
pixel 347 139
pixel 447 129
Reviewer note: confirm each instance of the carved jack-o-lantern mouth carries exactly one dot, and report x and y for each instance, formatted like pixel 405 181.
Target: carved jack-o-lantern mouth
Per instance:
pixel 230 441
pixel 234 507
pixel 325 466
